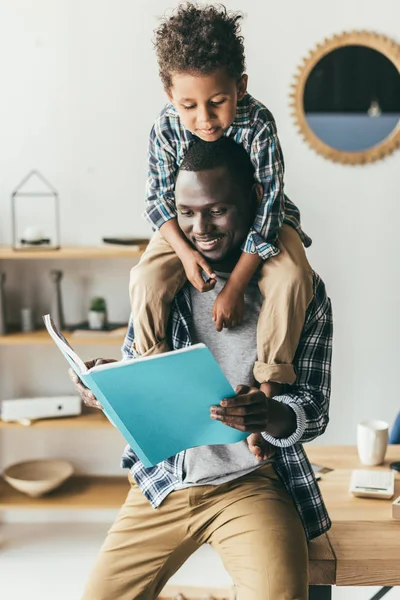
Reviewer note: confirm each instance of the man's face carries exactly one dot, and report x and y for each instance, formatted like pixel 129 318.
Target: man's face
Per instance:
pixel 214 214
pixel 206 104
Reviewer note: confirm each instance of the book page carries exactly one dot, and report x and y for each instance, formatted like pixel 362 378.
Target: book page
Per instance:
pixel 76 363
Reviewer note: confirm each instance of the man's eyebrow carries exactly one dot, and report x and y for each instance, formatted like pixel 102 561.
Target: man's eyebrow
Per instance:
pixel 217 203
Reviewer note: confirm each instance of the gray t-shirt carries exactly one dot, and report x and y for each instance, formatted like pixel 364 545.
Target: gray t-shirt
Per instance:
pixel 236 352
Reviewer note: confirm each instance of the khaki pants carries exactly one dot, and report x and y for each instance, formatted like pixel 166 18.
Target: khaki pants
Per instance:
pixel 285 284
pixel 251 522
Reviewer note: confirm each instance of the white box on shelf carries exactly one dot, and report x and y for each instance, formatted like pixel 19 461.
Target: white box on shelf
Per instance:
pixel 29 409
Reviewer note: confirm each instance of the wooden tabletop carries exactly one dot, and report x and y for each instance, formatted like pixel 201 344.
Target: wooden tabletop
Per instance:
pixel 364 538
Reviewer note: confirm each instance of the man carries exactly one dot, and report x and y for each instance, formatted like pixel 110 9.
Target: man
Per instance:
pixel 256 508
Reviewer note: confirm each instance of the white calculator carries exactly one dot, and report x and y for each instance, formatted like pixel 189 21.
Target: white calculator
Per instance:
pixel 368 483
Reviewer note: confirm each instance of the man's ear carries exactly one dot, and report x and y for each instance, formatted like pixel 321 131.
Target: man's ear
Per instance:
pixel 242 86
pixel 258 192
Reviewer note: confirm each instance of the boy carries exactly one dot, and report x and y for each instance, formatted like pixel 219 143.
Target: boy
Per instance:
pixel 201 60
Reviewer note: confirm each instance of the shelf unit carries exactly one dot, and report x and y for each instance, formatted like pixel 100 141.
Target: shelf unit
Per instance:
pixel 73 252
pixel 87 420
pixel 41 337
pixel 83 491
pixel 78 493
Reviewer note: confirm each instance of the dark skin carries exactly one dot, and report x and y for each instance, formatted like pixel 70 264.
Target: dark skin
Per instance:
pixel 214 215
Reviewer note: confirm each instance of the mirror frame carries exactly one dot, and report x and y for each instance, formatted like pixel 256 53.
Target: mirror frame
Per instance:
pixel 382 44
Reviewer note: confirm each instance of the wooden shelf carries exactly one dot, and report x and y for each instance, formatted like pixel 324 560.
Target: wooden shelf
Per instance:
pixel 90 420
pixel 73 252
pixel 41 337
pixel 84 492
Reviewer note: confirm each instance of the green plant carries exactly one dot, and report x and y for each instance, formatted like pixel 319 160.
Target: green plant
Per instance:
pixel 98 304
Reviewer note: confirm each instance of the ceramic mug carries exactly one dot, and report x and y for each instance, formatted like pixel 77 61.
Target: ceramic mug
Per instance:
pixel 372 441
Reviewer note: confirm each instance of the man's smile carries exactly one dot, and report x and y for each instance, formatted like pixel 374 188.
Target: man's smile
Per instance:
pixel 209 242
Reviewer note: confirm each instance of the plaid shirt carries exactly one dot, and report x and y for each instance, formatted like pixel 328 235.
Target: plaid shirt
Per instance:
pixel 308 397
pixel 254 128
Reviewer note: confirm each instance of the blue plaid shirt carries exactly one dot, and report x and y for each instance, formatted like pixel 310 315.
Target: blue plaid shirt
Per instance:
pixel 308 397
pixel 254 128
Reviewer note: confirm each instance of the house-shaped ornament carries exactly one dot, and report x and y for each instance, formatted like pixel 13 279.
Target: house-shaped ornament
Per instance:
pixel 35 214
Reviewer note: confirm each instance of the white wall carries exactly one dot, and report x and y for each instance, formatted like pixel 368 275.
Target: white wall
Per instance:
pixel 79 92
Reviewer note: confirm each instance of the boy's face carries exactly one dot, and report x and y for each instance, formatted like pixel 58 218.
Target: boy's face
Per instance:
pixel 206 103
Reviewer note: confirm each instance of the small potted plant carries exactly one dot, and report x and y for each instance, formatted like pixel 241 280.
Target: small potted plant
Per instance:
pixel 97 315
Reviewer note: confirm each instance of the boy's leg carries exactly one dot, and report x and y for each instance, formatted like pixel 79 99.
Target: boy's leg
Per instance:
pixel 143 549
pixel 154 283
pixel 286 284
pixel 257 531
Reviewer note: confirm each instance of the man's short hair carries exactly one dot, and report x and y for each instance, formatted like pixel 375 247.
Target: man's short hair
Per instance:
pixel 199 39
pixel 203 156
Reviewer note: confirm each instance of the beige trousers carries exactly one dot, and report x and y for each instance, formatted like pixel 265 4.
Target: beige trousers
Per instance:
pixel 285 284
pixel 251 522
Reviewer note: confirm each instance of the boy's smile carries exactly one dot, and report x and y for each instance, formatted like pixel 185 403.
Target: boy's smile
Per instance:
pixel 206 104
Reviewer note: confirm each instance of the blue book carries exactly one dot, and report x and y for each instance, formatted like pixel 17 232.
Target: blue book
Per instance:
pixel 160 404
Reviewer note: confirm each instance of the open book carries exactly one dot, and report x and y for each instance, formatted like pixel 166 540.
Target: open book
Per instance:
pixel 160 404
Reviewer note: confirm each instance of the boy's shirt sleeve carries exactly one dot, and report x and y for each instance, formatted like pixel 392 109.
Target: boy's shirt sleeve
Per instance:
pixel 266 156
pixel 162 172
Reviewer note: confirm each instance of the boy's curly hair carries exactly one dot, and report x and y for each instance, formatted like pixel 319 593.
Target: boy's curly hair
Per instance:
pixel 199 39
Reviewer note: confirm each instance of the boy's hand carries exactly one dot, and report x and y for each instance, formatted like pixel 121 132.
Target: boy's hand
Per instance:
pixel 194 264
pixel 260 447
pixel 228 308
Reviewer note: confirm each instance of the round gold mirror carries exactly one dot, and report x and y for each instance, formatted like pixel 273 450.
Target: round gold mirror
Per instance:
pixel 346 97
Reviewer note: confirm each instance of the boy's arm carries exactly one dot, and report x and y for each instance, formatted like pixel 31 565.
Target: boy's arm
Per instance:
pixel 267 158
pixel 162 171
pixel 161 207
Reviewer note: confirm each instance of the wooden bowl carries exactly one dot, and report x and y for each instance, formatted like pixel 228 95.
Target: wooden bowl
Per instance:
pixel 38 477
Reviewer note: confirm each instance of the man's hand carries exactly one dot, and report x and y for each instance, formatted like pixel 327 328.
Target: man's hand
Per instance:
pixel 248 411
pixel 194 264
pixel 228 308
pixel 88 398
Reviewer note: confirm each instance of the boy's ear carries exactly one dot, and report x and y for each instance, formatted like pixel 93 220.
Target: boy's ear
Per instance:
pixel 169 95
pixel 242 86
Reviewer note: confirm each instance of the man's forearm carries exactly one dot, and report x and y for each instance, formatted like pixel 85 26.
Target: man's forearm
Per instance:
pixel 174 236
pixel 282 420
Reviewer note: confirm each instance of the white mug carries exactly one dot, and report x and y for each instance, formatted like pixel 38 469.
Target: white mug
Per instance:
pixel 372 441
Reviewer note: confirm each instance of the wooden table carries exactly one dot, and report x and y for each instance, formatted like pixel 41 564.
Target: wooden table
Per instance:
pixel 364 539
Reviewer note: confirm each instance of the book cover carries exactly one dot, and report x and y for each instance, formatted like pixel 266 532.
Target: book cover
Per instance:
pixel 160 403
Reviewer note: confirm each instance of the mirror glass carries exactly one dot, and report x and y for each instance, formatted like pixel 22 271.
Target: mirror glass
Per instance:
pixel 352 98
